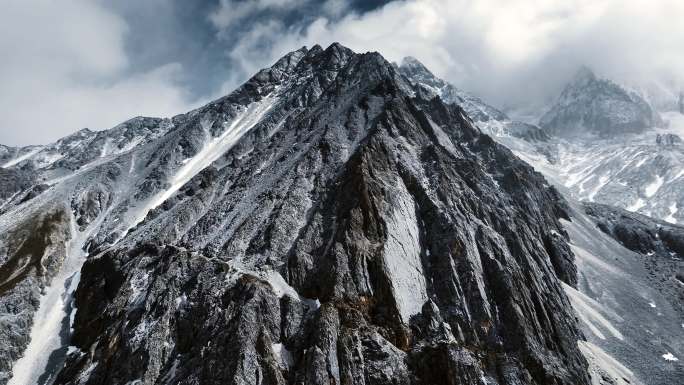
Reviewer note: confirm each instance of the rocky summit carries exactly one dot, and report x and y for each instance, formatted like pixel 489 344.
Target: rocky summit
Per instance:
pixel 589 104
pixel 328 222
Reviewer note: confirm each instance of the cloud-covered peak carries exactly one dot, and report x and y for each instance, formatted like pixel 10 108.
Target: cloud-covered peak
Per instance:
pixel 584 75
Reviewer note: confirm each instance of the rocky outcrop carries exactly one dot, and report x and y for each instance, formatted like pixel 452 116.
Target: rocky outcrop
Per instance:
pixel 355 234
pixel 638 232
pixel 590 105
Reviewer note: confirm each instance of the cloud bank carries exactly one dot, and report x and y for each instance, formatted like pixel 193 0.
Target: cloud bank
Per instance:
pixel 512 53
pixel 90 63
pixel 62 70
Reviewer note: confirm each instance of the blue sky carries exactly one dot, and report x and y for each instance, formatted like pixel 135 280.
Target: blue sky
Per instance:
pixel 93 63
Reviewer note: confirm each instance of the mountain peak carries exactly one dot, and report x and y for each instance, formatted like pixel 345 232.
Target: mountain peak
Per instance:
pixel 411 62
pixel 584 75
pixel 595 106
pixel 326 214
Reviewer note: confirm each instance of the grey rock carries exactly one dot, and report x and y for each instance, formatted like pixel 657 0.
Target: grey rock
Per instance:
pixel 394 212
pixel 661 245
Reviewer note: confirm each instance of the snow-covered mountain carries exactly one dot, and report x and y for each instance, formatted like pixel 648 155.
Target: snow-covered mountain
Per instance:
pixel 638 166
pixel 591 105
pixel 330 221
pixel 642 173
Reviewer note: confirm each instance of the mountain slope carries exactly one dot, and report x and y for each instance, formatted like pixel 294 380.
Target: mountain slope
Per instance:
pixel 348 209
pixel 318 224
pixel 99 197
pixel 643 173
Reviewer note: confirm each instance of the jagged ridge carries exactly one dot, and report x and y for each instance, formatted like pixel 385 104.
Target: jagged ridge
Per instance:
pixel 423 240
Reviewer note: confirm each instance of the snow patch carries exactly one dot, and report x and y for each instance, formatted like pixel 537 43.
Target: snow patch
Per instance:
pixel 402 255
pixel 636 206
pixel 138 287
pixel 277 282
pixel 284 356
pixel 105 147
pixel 211 151
pixel 141 332
pixel 601 183
pixel 22 157
pixel 653 188
pixel 641 162
pixel 52 311
pixel 679 175
pixel 181 300
pixel 280 287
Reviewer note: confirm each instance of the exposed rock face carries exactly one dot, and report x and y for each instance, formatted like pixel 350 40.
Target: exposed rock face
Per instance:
pixel 422 239
pixel 590 105
pixel 31 255
pixel 324 223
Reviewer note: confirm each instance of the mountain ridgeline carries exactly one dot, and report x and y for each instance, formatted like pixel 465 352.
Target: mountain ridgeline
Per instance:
pixel 329 222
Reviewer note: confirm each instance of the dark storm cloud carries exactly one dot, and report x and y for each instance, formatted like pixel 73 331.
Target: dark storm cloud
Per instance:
pixel 201 35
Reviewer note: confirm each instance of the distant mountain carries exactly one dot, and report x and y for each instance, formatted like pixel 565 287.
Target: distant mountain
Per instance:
pixel 612 147
pixel 590 105
pixel 644 174
pixel 641 172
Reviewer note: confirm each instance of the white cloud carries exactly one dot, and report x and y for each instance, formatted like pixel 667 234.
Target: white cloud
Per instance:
pixel 511 52
pixel 64 67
